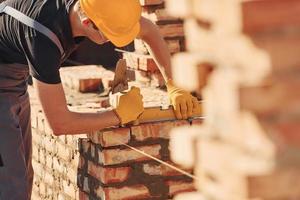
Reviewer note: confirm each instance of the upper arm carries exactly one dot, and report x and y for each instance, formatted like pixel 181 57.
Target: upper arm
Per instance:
pixel 147 29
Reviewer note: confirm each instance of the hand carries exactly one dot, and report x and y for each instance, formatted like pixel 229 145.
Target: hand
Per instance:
pixel 183 102
pixel 130 106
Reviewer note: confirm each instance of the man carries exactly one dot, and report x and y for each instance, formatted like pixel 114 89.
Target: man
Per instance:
pixel 41 34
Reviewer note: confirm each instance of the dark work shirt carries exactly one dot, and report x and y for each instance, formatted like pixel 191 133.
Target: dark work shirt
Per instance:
pixel 22 44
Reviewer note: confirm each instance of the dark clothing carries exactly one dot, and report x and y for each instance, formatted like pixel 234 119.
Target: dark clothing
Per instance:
pixel 22 44
pixel 16 173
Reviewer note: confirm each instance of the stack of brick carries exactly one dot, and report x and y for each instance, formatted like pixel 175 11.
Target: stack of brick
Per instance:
pixel 171 29
pixel 88 78
pixel 98 165
pixel 56 158
pixel 242 56
pixel 111 170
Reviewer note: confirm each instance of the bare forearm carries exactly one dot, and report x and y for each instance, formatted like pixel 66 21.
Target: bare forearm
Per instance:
pixel 62 120
pixel 78 123
pixel 157 48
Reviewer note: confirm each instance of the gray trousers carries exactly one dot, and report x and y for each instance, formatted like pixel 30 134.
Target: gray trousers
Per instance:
pixel 16 173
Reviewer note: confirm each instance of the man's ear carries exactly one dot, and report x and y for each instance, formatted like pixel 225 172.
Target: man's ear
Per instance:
pixel 85 21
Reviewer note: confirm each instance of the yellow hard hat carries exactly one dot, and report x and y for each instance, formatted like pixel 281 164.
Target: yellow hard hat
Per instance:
pixel 118 20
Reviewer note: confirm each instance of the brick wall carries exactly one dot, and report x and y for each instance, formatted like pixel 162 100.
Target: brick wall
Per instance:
pixel 171 28
pixel 241 57
pixel 110 170
pixel 99 165
pixel 56 159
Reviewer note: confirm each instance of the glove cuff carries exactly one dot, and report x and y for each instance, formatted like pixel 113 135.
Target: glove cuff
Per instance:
pixel 169 84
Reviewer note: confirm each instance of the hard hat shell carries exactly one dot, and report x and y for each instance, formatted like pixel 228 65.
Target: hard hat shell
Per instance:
pixel 118 20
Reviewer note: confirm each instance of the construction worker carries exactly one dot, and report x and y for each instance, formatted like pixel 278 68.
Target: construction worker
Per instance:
pixel 36 36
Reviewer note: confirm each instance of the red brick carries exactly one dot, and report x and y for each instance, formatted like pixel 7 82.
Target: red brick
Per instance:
pixel 83 78
pixel 83 196
pixel 105 103
pixel 130 74
pixel 158 15
pixel 174 46
pixel 108 175
pixel 282 48
pixel 172 30
pixel 176 187
pixel 273 98
pixel 123 193
pixel 111 137
pixel 287 133
pixel 161 170
pixel 270 14
pixel 197 122
pixel 89 85
pixel 155 130
pixel 147 64
pixel 118 156
pixel 282 183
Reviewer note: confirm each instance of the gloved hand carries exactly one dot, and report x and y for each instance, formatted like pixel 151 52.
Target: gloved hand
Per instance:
pixel 130 106
pixel 183 102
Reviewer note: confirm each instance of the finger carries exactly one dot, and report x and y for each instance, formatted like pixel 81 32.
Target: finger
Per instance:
pixel 183 109
pixel 190 107
pixel 196 105
pixel 141 96
pixel 134 90
pixel 177 111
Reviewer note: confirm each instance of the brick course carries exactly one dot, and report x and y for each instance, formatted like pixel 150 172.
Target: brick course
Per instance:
pixel 98 165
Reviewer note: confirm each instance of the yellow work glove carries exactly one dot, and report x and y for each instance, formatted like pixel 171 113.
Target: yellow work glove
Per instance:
pixel 130 106
pixel 183 102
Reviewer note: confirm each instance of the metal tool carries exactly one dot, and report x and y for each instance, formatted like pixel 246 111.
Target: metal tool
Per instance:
pixel 120 82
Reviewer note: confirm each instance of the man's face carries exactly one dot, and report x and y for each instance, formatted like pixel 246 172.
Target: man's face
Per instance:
pixel 98 37
pixel 95 35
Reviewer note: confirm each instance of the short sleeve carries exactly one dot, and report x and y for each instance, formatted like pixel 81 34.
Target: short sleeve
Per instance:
pixel 43 58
